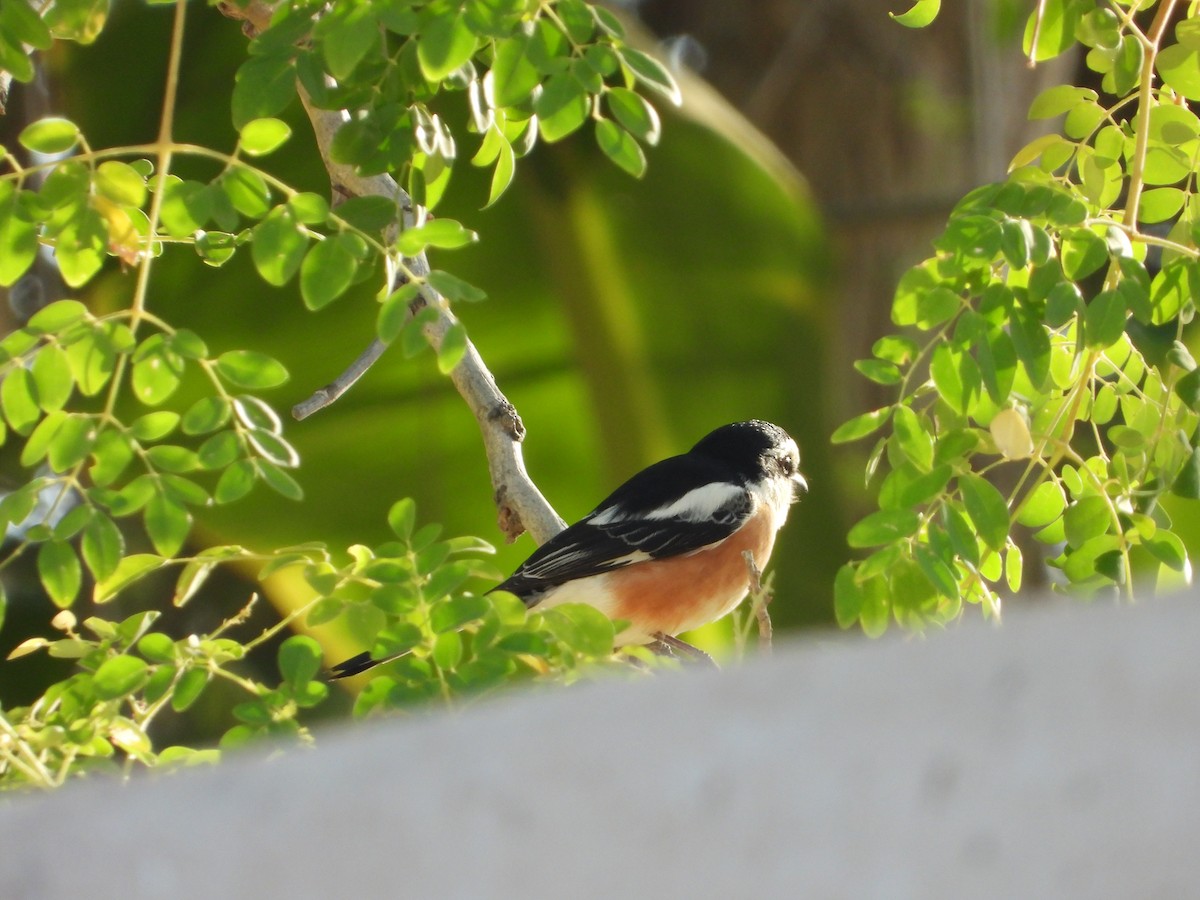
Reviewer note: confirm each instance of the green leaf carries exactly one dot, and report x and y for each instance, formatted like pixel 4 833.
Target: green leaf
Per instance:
pixel 18 241
pixel 80 246
pixel 1160 204
pixel 848 596
pixel 506 167
pixel 446 43
pixel 249 369
pixel 348 33
pixel 1188 389
pixel 1045 504
pixel 120 676
pixel 956 376
pixel 156 647
pixel 156 375
pixel 562 107
pixel 72 442
pixel 263 87
pixel 247 191
pixel 50 136
pixel 514 75
pixel 170 458
pixel 1059 19
pixel 127 571
pixel 38 445
pixel 920 14
pixel 1061 98
pixel 1187 482
pixel 299 660
pixel 652 73
pixel 1179 66
pixel 57 316
pixel 278 247
pixel 619 146
pixel 370 214
pixel 860 426
pixel 394 312
pixel 1169 550
pixel 937 571
pixel 22 23
pixel 454 288
pixel 187 691
pixel 1083 252
pixel 445 233
pixel 452 349
pixel 52 376
pixel 260 137
pixel 912 439
pixel 328 270
pixel 120 183
pixel 402 516
pixel 112 452
pixel 235 482
pixel 448 650
pixel 205 415
pixel 101 547
pixel 186 207
pixel 636 115
pixel 1087 519
pixel 309 208
pixel 167 524
pixel 19 400
pixel 60 572
pixel 280 481
pixel 987 509
pixel 878 371
pixel 581 627
pixel 883 527
pixel 1104 323
pixel 452 614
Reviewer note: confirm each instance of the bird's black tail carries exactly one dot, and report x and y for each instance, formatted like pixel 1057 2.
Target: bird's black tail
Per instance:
pixel 356 665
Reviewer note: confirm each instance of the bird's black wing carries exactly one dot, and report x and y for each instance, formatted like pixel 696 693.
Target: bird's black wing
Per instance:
pixel 643 519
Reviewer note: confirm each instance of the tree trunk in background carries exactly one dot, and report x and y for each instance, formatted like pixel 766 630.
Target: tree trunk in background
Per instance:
pixel 891 126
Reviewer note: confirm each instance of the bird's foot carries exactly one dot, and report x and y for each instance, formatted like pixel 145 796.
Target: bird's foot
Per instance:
pixel 668 645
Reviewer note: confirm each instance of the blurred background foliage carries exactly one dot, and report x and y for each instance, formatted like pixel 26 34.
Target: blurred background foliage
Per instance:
pixel 626 318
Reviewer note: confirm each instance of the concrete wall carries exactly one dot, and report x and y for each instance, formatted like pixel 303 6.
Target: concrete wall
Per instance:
pixel 1058 756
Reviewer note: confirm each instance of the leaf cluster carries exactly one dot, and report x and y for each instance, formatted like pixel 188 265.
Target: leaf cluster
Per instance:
pixel 125 426
pixel 1044 388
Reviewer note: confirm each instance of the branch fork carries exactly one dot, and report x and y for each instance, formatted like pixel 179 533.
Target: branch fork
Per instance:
pixel 520 505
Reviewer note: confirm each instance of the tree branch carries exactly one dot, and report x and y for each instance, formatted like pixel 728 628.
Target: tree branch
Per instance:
pixel 520 505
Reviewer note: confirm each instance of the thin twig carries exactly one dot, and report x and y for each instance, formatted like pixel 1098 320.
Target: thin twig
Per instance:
pixel 761 596
pixel 322 397
pixel 520 505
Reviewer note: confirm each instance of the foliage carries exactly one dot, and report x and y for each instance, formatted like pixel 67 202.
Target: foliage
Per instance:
pixel 125 424
pixel 1043 383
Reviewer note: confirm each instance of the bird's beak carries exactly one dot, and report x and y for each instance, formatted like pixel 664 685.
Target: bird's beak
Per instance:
pixel 800 483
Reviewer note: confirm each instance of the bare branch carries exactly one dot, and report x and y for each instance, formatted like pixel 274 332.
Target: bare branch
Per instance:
pixel 322 397
pixel 520 505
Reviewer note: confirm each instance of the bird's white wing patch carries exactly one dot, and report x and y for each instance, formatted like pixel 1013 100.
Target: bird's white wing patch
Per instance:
pixel 700 504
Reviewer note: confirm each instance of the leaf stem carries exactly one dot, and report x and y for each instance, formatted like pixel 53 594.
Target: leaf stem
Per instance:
pixel 1137 165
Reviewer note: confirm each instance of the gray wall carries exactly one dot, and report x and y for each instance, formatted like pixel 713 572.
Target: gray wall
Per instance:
pixel 1058 756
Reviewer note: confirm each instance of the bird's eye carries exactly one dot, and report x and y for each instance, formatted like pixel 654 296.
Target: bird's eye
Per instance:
pixel 786 465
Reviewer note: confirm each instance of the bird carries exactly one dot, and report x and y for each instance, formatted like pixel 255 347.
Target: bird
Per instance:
pixel 665 552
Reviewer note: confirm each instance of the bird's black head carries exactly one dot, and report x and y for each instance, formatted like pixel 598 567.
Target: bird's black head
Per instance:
pixel 754 449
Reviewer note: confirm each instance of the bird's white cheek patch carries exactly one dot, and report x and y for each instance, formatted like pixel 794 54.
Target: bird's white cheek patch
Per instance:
pixel 776 495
